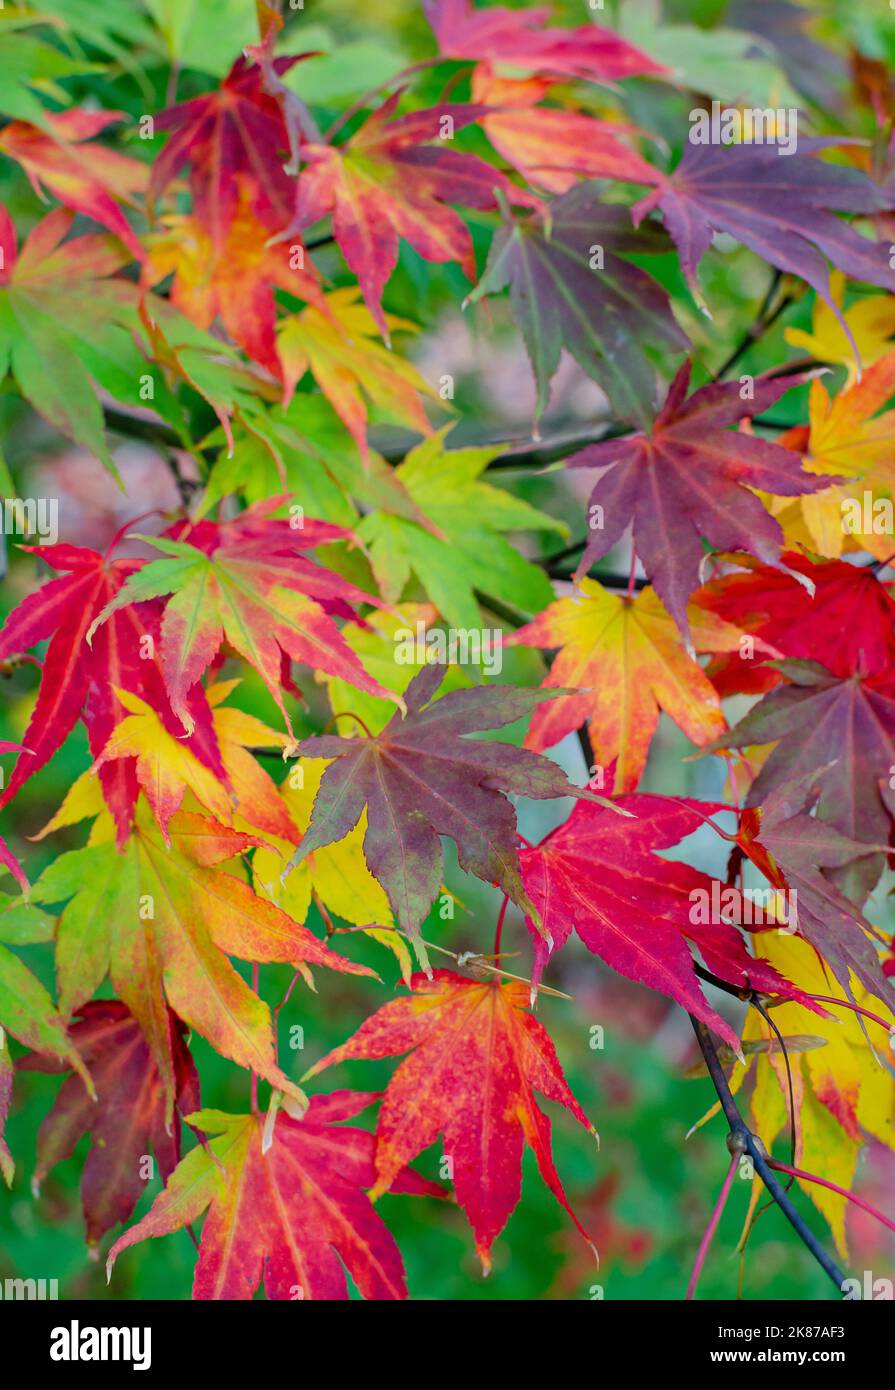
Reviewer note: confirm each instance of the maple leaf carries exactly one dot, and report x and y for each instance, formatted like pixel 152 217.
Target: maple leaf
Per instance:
pixel 571 287
pixel 235 280
pixel 161 921
pixel 246 582
pixel 628 656
pixel 523 39
pixel 477 1058
pixel 846 436
pixel 689 477
pixel 86 178
pixel 871 326
pixel 165 766
pixel 846 599
pixel 82 680
pixel 259 805
pixel 333 341
pixel 422 778
pixel 336 877
pixel 552 148
pixel 456 544
pixel 782 209
pixel 599 876
pixel 818 865
pixel 127 1115
pixel 815 713
pixel 376 643
pixel 234 134
pixel 390 182
pixel 292 1212
pixel 55 300
pixel 29 1014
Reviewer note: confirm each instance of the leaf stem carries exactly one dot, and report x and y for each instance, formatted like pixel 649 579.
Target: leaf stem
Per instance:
pixel 710 1229
pixel 833 1187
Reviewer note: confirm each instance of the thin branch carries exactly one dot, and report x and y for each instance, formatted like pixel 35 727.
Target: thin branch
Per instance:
pixel 757 1152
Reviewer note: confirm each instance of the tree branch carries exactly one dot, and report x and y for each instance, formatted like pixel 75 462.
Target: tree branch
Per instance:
pixel 757 1152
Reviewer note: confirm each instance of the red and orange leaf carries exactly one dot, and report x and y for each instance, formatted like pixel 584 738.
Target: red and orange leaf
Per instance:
pixel 234 280
pixel 552 148
pixel 394 179
pixel 246 582
pixel 80 679
pixel 288 1209
pixel 524 39
pixel 127 1116
pixel 848 600
pixel 87 178
pixel 234 133
pixel 627 657
pixel 477 1058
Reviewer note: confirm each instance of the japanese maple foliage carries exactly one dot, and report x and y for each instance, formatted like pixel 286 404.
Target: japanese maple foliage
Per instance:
pixel 402 570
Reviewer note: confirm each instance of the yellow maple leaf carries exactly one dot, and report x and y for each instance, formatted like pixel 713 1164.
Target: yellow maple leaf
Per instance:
pixel 336 876
pixel 340 345
pixel 846 437
pixel 871 320
pixel 627 657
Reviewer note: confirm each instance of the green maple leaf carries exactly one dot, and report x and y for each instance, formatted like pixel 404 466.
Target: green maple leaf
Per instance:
pixel 465 548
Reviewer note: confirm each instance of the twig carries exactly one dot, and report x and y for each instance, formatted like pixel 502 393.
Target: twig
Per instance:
pixel 757 1152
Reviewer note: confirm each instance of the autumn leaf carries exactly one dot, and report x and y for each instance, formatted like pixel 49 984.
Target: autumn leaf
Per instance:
pixel 826 874
pixel 127 1116
pixel 627 657
pixel 477 1058
pixel 871 327
pixel 80 679
pixel 523 39
pixel 599 875
pixel 293 1214
pixel 687 478
pixel 336 341
pixel 422 778
pixel 259 804
pixel 552 148
pixel 7 1163
pixel 29 1014
pixel 798 618
pixel 463 546
pixel 817 714
pixel 165 765
pixel 245 581
pixel 390 181
pixel 234 280
pixel 336 876
pixel 161 921
pixel 571 287
pixel 232 135
pixel 90 179
pixel 845 436
pixel 782 209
